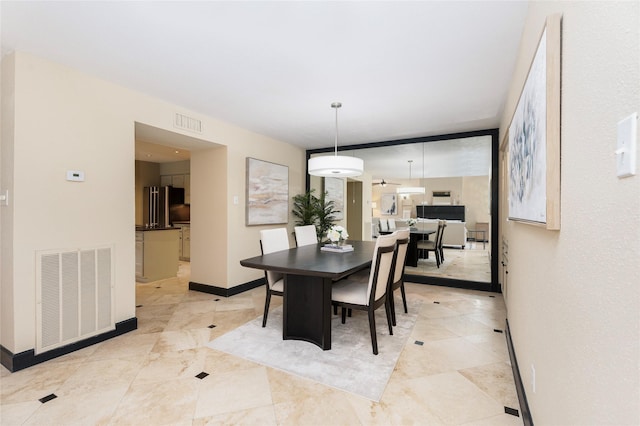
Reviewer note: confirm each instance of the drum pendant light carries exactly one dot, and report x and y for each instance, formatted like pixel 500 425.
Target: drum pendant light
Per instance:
pixel 408 190
pixel 335 165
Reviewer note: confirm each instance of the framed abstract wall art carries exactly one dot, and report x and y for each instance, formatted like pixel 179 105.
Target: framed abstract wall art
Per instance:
pixel 334 187
pixel 267 193
pixel 389 204
pixel 534 137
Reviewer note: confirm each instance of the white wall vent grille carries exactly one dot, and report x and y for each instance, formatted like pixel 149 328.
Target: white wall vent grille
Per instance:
pixel 188 123
pixel 74 291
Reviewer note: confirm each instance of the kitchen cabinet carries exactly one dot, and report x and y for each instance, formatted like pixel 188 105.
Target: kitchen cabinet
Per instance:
pixel 187 189
pixel 139 254
pixel 156 254
pixel 184 246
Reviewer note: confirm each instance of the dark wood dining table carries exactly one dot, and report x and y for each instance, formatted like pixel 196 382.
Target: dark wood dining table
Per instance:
pixel 308 275
pixel 412 250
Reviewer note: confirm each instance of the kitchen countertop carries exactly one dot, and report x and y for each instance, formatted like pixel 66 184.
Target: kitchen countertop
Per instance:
pixel 143 228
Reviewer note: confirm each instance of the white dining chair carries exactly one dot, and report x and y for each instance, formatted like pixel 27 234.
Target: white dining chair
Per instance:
pixel 272 240
pixel 384 225
pixel 348 294
pixel 397 282
pixel 305 235
pixel 392 224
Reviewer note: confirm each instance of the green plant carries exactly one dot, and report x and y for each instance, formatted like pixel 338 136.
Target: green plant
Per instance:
pixel 305 208
pixel 325 213
pixel 311 210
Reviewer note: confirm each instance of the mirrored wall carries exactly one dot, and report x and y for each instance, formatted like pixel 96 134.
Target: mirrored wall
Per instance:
pixel 415 183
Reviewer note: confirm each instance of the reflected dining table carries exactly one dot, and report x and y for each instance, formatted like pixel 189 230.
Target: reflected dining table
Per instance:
pixel 308 275
pixel 412 250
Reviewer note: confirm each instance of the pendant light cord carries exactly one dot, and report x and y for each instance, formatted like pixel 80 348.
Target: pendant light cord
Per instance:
pixel 336 105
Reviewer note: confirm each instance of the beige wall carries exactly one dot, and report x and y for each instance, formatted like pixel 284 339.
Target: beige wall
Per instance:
pixel 470 191
pixel 7 133
pixel 476 196
pixel 66 120
pixel 175 168
pixel 573 295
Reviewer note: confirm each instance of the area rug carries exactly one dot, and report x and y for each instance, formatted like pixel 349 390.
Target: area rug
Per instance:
pixel 350 365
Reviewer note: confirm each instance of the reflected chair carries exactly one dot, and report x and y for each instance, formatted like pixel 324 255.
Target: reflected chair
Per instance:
pixel 368 297
pixel 392 225
pixel 272 240
pixel 305 235
pixel 441 243
pixel 433 245
pixel 384 226
pixel 397 282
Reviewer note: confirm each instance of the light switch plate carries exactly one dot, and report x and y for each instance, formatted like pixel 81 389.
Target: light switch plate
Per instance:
pixel 75 176
pixel 626 149
pixel 4 197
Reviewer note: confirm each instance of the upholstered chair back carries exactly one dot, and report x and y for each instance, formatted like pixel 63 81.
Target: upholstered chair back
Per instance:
pixel 402 236
pixel 272 240
pixel 381 266
pixel 306 235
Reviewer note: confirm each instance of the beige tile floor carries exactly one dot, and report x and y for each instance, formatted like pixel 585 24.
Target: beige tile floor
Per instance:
pixel 473 263
pixel 460 376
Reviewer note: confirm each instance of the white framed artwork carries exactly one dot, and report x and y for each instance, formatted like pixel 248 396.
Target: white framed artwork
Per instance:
pixel 389 204
pixel 267 187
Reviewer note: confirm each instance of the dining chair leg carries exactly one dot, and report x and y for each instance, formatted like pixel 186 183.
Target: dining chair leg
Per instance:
pixel 266 308
pixel 392 305
pixel 343 311
pixel 404 299
pixel 388 311
pixel 372 328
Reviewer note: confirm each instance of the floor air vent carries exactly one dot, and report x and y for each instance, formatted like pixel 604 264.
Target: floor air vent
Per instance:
pixel 74 295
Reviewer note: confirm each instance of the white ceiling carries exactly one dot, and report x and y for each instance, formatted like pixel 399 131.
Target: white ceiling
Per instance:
pixel 400 69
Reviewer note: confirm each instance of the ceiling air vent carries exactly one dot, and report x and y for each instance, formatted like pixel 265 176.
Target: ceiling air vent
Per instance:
pixel 188 123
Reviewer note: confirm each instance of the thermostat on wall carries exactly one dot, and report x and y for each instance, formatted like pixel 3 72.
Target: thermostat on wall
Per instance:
pixel 75 176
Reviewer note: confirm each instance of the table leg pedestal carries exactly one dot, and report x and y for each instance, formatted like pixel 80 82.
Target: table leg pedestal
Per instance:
pixel 303 317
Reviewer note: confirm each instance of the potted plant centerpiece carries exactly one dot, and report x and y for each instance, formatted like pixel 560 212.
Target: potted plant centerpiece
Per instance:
pixel 337 235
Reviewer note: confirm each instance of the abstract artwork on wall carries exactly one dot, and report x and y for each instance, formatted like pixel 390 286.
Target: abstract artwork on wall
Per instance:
pixel 267 193
pixel 534 137
pixel 389 204
pixel 334 188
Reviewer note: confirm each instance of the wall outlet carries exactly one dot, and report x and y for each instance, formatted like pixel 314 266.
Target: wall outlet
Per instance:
pixel 533 378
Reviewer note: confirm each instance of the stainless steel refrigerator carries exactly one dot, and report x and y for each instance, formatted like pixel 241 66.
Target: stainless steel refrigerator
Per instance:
pixel 157 205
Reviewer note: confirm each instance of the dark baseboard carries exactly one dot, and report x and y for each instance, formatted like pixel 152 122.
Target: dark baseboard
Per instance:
pixel 420 279
pixel 20 361
pixel 522 396
pixel 448 282
pixel 226 292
